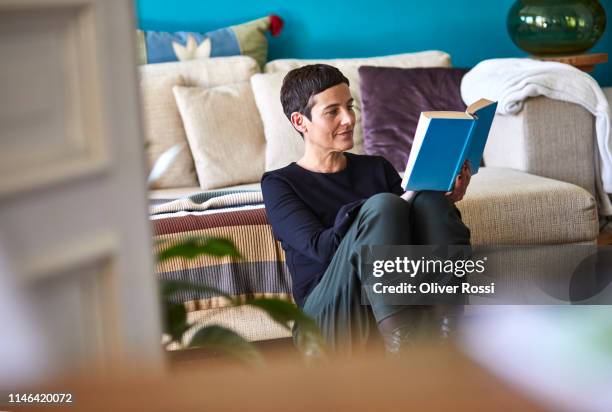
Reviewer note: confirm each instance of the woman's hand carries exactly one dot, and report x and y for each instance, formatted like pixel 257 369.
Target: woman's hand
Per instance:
pixel 409 194
pixel 461 183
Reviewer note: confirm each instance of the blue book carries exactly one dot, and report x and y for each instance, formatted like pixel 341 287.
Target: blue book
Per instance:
pixel 443 142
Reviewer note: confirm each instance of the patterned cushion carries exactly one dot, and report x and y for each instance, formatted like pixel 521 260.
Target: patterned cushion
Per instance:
pixel 244 39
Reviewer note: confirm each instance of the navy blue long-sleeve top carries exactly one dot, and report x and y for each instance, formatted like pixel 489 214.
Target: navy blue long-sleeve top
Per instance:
pixel 310 212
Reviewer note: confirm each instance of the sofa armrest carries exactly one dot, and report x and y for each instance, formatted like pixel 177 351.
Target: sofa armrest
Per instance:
pixel 549 138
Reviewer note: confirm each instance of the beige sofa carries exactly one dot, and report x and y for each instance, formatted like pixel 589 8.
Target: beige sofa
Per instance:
pixel 537 186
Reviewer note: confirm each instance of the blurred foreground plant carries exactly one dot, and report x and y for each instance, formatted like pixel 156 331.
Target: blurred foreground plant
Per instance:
pixel 310 341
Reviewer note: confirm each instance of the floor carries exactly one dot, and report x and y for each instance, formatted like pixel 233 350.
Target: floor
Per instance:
pixel 268 349
pixel 605 236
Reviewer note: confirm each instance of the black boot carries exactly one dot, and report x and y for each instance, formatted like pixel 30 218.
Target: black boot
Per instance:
pixel 402 330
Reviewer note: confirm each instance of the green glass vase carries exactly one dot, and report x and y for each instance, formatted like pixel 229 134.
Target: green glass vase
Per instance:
pixel 556 27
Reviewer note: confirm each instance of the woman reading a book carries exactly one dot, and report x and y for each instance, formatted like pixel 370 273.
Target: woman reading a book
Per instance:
pixel 329 203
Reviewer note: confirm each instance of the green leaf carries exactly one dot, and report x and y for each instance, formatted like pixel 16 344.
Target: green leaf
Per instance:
pixel 193 247
pixel 310 340
pixel 175 323
pixel 171 286
pixel 227 341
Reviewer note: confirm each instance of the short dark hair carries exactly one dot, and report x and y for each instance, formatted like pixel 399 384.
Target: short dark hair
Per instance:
pixel 301 84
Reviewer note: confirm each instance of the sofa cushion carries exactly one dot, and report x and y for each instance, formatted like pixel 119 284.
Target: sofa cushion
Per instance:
pixel 224 132
pixel 392 100
pixel 285 145
pixel 243 39
pixel 163 125
pixel 163 129
pixel 206 73
pixel 508 207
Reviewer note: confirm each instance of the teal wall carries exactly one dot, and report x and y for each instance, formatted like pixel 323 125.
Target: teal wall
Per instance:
pixel 470 30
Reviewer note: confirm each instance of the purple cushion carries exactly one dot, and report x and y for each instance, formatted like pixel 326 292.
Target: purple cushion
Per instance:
pixel 392 100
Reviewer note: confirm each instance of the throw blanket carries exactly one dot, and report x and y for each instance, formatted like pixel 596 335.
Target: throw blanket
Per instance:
pixel 511 81
pixel 208 201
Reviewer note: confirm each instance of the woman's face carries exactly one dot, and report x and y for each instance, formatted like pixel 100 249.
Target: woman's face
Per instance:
pixel 332 120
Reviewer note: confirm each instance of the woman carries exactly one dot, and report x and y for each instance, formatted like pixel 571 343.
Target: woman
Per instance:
pixel 329 203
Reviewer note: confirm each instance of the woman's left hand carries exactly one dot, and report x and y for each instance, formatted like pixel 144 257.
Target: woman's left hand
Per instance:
pixel 461 183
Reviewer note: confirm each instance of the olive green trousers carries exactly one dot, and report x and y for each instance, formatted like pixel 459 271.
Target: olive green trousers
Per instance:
pixel 347 325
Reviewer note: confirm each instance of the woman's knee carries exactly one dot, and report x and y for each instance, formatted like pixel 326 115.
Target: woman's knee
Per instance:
pixel 387 204
pixel 438 219
pixel 431 201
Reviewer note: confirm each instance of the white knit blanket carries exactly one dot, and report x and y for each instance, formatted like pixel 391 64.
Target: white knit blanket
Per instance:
pixel 511 81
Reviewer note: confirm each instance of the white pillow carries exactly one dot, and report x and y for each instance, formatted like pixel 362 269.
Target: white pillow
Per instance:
pixel 225 133
pixel 163 125
pixel 283 143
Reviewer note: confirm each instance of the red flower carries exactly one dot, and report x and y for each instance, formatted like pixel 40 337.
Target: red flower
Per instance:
pixel 276 25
